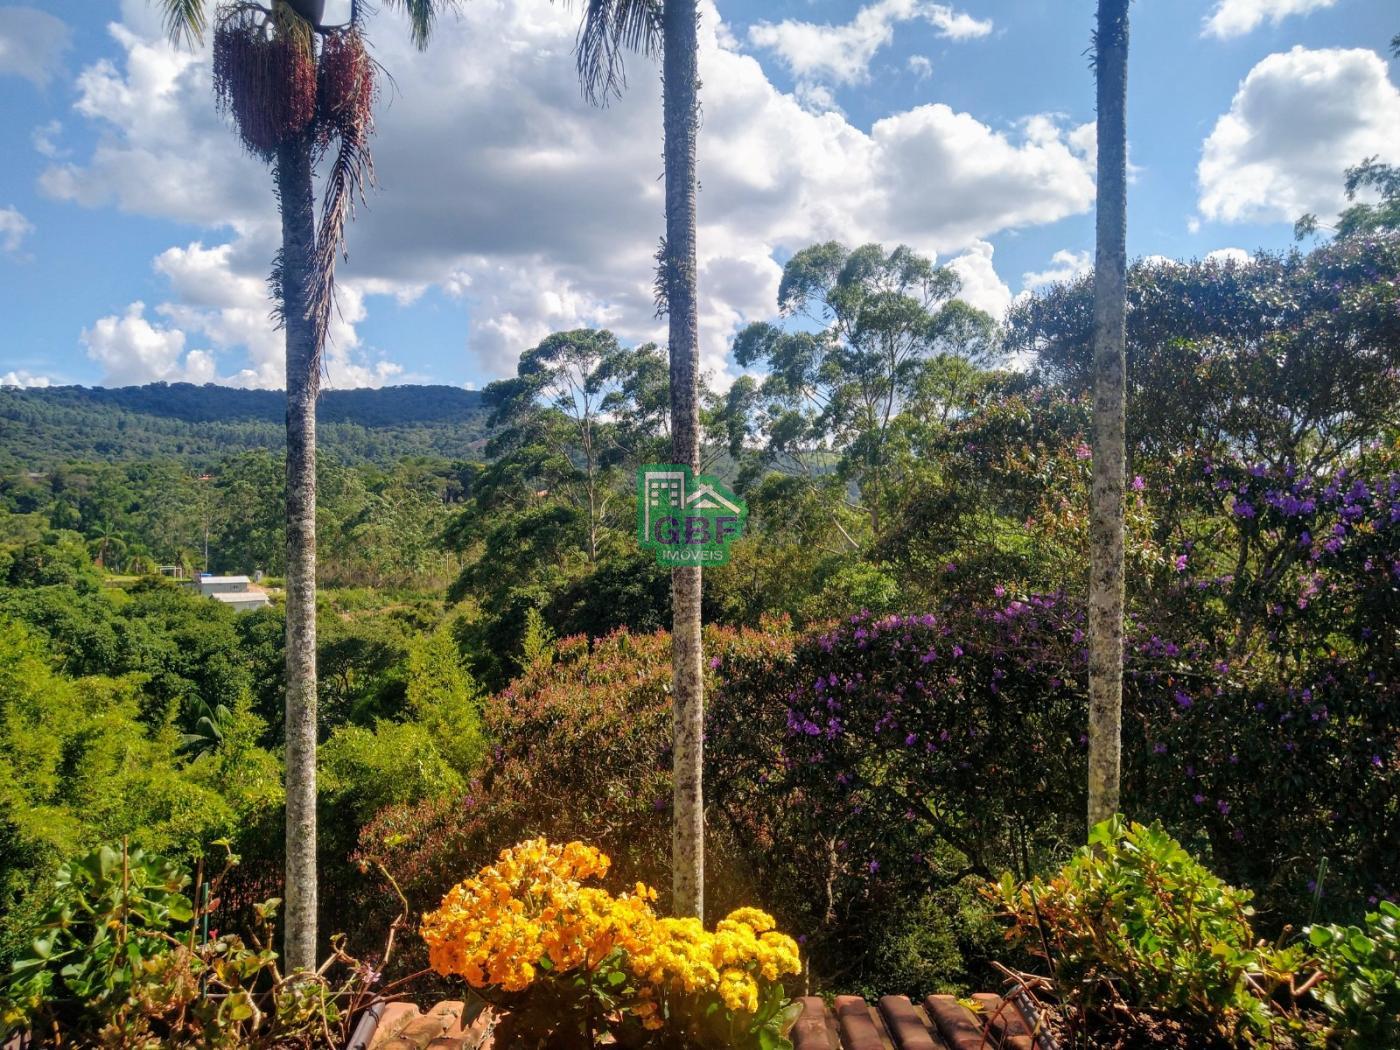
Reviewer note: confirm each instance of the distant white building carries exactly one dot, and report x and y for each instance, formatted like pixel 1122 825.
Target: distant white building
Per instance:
pixel 234 591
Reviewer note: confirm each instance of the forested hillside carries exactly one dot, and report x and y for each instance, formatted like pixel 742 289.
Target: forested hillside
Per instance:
pixel 40 428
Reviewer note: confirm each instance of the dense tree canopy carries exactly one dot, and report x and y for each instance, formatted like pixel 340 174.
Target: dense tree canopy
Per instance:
pixel 1286 358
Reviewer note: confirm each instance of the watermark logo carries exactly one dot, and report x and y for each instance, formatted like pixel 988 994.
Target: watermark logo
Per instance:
pixel 687 519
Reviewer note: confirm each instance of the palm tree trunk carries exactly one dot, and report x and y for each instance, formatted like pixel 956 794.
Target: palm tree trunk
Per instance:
pixel 681 82
pixel 1106 512
pixel 294 191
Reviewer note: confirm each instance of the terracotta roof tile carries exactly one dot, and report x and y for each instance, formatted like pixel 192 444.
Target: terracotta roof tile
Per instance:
pixel 940 1023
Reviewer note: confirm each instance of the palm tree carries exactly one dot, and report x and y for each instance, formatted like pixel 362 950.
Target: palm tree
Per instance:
pixel 610 28
pixel 289 95
pixel 1106 511
pixel 105 539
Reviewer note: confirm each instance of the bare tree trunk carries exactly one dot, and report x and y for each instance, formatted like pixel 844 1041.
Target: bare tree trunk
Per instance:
pixel 1106 511
pixel 294 190
pixel 680 77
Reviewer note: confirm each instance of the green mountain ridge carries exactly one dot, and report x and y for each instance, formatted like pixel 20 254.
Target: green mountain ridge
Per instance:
pixel 42 427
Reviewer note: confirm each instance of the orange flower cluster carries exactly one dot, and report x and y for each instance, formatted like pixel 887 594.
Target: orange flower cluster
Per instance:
pixel 529 914
pixel 494 929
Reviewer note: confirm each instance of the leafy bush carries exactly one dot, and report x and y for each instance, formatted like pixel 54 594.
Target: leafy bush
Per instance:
pixel 573 964
pixel 1361 993
pixel 117 959
pixel 79 766
pixel 395 763
pixel 582 748
pixel 887 759
pixel 1135 920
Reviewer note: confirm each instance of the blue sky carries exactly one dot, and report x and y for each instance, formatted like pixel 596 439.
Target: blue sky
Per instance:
pixel 134 236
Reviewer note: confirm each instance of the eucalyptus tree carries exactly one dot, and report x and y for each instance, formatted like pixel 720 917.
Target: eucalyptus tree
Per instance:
pixel 610 29
pixel 882 332
pixel 293 87
pixel 581 409
pixel 1109 453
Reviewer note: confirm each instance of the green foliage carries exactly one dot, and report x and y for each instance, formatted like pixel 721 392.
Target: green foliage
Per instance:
pixel 888 323
pixel 1291 358
pixel 1361 993
pixel 581 746
pixel 395 763
pixel 550 520
pixel 111 923
pixel 1135 919
pixel 78 765
pixel 116 959
pixel 200 425
pixel 538 644
pixel 1361 217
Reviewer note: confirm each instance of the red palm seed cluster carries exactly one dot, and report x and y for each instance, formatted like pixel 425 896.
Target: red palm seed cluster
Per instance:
pixel 347 88
pixel 267 82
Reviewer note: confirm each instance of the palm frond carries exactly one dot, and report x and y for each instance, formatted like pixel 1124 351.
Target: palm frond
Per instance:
pixel 185 20
pixel 422 16
pixel 346 183
pixel 348 93
pixel 609 30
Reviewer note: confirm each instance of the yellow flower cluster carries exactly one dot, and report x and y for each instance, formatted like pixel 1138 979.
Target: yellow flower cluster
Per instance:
pixel 496 929
pixel 682 956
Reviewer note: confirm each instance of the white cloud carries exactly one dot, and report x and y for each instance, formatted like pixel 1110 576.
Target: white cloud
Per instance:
pixel 816 98
pixel 1238 256
pixel 1299 119
pixel 25 379
pixel 45 140
pixel 842 53
pixel 14 228
pixel 32 44
pixel 1233 18
pixel 981 287
pixel 162 149
pixel 218 296
pixel 541 212
pixel 132 350
pixel 1065 265
pixel 921 66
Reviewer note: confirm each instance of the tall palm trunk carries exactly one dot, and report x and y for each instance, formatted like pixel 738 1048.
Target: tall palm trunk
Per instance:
pixel 681 88
pixel 1106 512
pixel 294 191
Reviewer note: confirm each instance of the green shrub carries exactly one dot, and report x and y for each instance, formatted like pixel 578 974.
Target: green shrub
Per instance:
pixel 1135 919
pixel 78 767
pixel 1362 991
pixel 443 698
pixel 117 959
pixel 581 749
pixel 395 763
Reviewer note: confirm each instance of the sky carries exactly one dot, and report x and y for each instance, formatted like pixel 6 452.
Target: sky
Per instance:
pixel 135 236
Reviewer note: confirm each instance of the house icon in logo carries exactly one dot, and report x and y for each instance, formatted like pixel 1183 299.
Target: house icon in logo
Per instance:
pixel 687 520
